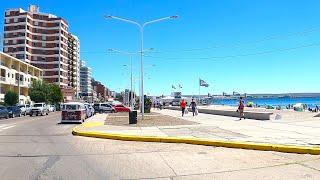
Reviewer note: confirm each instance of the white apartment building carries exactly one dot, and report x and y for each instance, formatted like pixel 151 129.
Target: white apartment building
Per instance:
pixel 17 75
pixel 85 82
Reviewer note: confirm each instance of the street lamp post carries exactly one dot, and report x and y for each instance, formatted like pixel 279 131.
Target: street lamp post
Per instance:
pixel 130 56
pixel 141 28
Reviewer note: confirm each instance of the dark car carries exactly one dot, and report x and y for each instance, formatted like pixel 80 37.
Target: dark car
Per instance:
pixel 14 111
pixel 4 112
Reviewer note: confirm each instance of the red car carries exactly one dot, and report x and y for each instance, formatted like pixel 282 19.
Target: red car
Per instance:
pixel 121 108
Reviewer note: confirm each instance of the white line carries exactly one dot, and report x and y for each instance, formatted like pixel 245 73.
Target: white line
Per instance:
pixel 4 125
pixel 8 127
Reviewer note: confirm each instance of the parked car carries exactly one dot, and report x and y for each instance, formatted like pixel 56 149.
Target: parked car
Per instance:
pixel 89 110
pixel 4 112
pixel 104 107
pixel 39 109
pixel 14 111
pixel 121 108
pixel 73 112
pixel 52 108
pixel 25 109
pixel 92 110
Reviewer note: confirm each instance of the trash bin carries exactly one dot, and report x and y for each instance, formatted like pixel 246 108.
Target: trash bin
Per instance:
pixel 132 117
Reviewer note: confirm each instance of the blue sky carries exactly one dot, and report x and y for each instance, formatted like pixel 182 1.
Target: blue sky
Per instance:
pixel 265 46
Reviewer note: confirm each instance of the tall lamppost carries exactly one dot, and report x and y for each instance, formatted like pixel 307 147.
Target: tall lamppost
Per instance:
pixel 130 54
pixel 141 28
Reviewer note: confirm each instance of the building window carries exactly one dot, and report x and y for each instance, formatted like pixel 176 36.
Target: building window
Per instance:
pixel 8 74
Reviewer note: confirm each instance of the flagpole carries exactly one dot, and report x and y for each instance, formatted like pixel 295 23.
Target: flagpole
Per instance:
pixel 199 91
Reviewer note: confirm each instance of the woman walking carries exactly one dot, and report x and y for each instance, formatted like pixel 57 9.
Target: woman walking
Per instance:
pixel 241 108
pixel 183 106
pixel 193 106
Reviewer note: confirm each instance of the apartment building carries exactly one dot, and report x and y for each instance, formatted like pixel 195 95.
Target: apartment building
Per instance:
pixel 17 75
pixel 86 92
pixel 100 89
pixel 74 63
pixel 40 39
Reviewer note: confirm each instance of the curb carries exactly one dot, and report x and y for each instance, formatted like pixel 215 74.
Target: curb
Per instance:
pixel 199 141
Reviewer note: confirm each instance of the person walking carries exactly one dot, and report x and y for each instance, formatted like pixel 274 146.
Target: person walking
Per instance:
pixel 241 108
pixel 183 106
pixel 193 106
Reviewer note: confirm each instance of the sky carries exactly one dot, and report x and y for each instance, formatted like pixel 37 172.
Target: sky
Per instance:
pixel 265 46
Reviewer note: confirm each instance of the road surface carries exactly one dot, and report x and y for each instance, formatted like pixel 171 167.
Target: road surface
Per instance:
pixel 40 148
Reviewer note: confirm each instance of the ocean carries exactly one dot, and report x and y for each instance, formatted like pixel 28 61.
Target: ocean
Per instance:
pixel 283 102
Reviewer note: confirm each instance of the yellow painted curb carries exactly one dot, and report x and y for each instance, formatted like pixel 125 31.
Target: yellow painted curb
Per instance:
pixel 199 141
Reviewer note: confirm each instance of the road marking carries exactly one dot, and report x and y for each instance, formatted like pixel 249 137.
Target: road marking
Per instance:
pixel 8 127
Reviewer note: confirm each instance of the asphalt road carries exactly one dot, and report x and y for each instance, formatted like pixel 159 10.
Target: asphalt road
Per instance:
pixel 40 148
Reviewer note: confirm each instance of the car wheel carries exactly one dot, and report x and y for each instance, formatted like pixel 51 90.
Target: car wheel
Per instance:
pixel 7 116
pixel 20 114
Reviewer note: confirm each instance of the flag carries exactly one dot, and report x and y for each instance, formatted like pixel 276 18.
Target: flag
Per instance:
pixel 203 83
pixel 180 86
pixel 173 87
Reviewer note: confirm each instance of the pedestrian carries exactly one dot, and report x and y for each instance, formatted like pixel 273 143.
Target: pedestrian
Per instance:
pixel 241 108
pixel 317 108
pixel 183 106
pixel 193 106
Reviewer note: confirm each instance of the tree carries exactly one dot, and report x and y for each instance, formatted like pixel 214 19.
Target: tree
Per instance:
pixel 39 91
pixel 55 94
pixel 44 92
pixel 11 98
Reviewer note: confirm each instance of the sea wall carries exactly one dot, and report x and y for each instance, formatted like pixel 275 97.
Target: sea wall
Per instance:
pixel 232 113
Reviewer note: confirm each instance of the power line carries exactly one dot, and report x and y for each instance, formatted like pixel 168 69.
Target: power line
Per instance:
pixel 237 55
pixel 275 37
pixel 299 33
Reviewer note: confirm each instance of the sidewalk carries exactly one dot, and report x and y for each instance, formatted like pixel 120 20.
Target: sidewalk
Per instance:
pixel 212 127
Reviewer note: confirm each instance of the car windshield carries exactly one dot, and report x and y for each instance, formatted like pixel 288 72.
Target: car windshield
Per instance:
pixel 70 107
pixel 37 105
pixel 21 106
pixel 1 108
